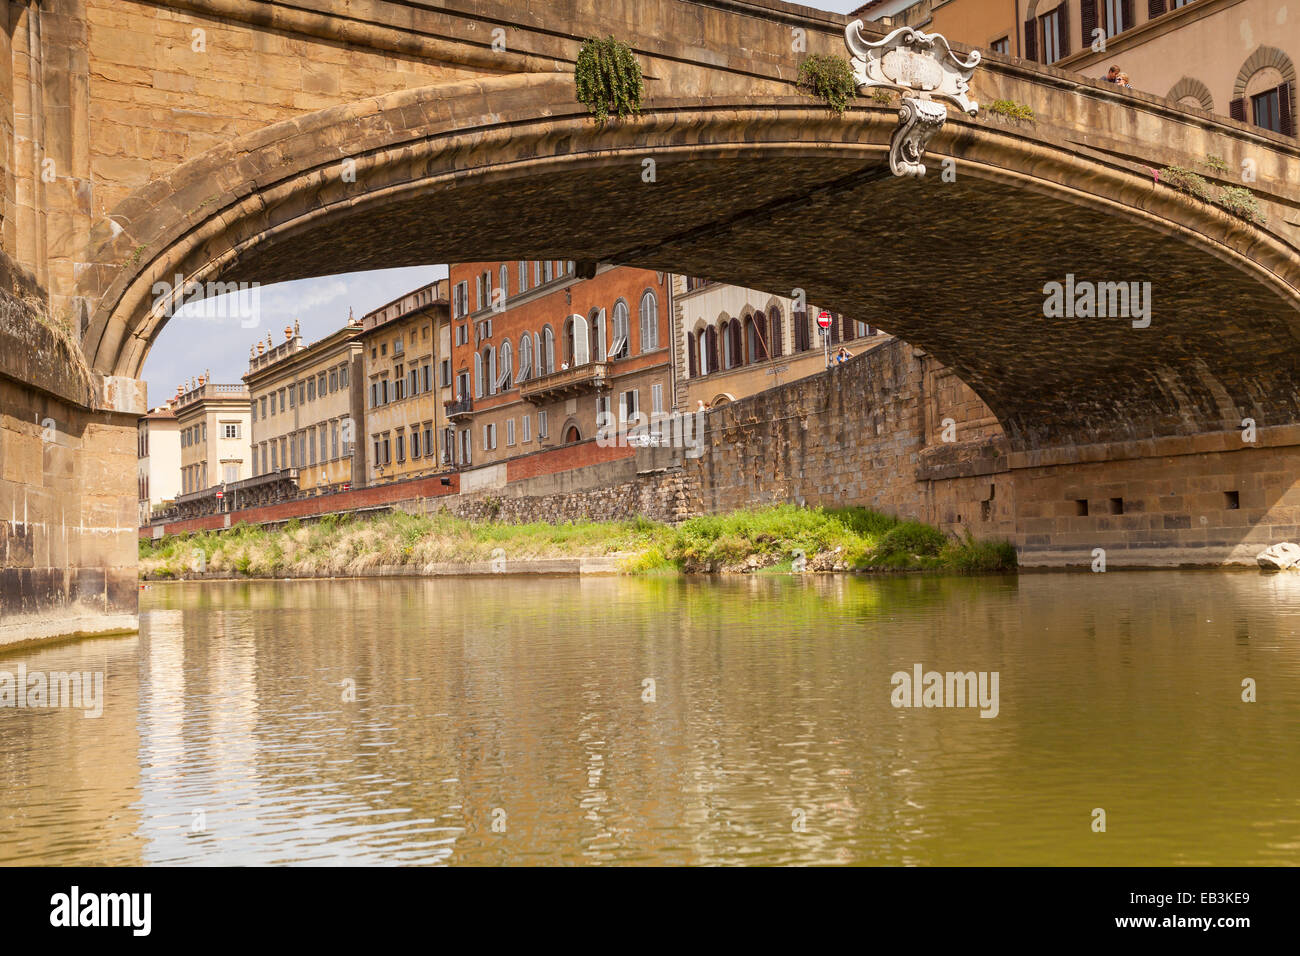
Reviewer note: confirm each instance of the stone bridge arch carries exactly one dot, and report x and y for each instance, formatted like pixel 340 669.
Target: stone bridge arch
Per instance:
pixel 776 194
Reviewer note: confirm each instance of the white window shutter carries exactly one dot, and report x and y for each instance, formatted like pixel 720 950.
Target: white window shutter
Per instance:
pixel 581 345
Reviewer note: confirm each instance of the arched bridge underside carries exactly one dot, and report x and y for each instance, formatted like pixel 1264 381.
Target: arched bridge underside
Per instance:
pixel 772 191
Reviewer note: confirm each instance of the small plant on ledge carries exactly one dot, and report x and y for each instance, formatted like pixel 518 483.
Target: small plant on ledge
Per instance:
pixel 830 79
pixel 608 78
pixel 1011 110
pixel 1237 200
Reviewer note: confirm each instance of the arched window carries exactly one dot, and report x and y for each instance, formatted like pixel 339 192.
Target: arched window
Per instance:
pixel 692 355
pixel 733 355
pixel 801 337
pixel 597 318
pixel 618 345
pixel 709 356
pixel 572 434
pixel 490 369
pixel 505 283
pixel 525 356
pixel 523 275
pixel 755 340
pixel 576 347
pixel 649 321
pixel 1265 91
pixel 546 356
pixel 505 367
pixel 776 332
pixel 478 375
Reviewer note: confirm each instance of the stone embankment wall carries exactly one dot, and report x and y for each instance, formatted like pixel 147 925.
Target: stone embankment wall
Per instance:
pixel 67 548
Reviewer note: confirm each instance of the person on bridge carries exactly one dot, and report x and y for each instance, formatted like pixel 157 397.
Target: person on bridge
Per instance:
pixel 1112 75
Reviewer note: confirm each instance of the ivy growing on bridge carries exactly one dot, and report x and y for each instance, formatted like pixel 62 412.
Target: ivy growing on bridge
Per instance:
pixel 608 78
pixel 830 78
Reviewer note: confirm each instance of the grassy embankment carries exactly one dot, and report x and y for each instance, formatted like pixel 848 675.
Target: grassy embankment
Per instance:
pixel 766 539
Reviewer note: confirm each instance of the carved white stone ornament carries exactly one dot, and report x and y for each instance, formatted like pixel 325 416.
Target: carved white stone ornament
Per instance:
pixel 910 61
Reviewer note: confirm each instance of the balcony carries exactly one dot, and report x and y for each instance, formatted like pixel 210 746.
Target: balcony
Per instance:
pixel 461 408
pixel 565 383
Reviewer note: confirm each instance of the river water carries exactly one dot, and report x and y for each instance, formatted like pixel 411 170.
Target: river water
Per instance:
pixel 671 721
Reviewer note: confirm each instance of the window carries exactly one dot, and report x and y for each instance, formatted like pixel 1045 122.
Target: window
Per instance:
pixel 525 356
pixel 657 399
pixel 546 355
pixel 527 431
pixel 548 270
pixel 1119 17
pixel 323 430
pixel 264 456
pixel 415 442
pixel 801 337
pixel 282 391
pixel 264 406
pixel 311 446
pixel 343 376
pixel 537 272
pixel 1002 46
pixel 1266 109
pixel 334 380
pixel 321 382
pixel 401 446
pixel 505 283
pixel 229 472
pixel 334 440
pixel 462 334
pixel 397 346
pixel 1053 27
pixel 428 440
pixel 428 377
pixel 444 373
pixel 311 389
pixel 388 456
pixel 413 381
pixel 523 276
pixel 541 424
pixel 627 406
pixel 510 431
pixel 603 422
pixel 300 393
pixel 504 359
pixel 618 347
pixel 649 321
pixel 460 299
pixel 230 430
pixel 464 446
pixel 489 437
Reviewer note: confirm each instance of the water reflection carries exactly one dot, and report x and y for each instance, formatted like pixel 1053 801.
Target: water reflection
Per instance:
pixel 499 721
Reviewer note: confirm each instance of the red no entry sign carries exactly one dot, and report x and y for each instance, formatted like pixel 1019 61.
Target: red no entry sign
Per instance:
pixel 824 320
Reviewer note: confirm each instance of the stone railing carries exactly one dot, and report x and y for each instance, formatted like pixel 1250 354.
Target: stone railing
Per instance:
pixel 566 381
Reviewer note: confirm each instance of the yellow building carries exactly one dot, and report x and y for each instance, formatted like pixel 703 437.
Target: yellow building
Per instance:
pixel 213 422
pixel 407 377
pixel 305 406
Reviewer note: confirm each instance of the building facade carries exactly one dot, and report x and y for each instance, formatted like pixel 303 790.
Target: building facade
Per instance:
pixel 1232 57
pixel 541 358
pixel 733 342
pixel 158 460
pixel 214 435
pixel 304 407
pixel 406 374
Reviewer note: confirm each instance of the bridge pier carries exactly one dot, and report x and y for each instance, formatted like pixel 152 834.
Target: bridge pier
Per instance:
pixel 67 474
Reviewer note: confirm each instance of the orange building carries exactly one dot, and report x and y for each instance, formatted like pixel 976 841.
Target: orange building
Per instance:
pixel 540 357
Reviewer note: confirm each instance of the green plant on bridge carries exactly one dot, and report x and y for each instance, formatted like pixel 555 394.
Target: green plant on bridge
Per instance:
pixel 1216 163
pixel 1240 201
pixel 830 78
pixel 608 78
pixel 1237 200
pixel 1011 110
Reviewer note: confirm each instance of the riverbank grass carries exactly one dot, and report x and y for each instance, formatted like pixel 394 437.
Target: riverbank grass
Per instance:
pixel 770 539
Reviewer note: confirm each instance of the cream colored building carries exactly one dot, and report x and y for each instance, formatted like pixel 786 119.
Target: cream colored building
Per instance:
pixel 158 460
pixel 405 349
pixel 304 406
pixel 732 342
pixel 214 429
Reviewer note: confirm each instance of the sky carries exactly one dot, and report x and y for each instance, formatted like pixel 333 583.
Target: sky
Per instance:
pixel 192 343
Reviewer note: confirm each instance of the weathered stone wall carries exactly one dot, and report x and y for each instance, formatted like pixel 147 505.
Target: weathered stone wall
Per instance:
pixel 67 546
pixel 671 495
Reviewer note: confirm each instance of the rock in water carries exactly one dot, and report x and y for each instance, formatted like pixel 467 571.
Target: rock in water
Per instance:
pixel 1279 557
